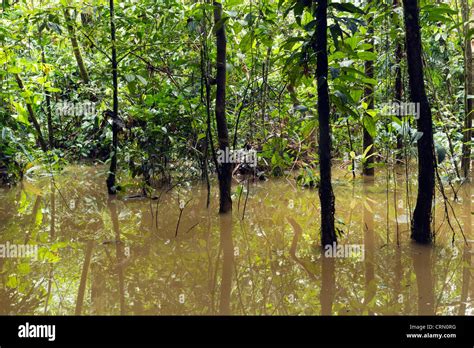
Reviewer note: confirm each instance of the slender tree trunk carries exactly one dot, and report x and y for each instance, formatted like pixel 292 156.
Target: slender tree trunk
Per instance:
pixel 111 187
pixel 75 46
pixel 326 195
pixel 469 91
pixel 32 117
pixel 368 167
pixel 48 101
pixel 421 223
pixel 224 171
pixel 398 95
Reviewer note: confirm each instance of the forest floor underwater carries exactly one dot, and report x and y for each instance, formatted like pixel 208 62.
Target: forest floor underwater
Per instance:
pixel 175 256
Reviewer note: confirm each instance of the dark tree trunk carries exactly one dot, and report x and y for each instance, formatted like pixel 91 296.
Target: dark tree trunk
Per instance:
pixel 326 195
pixel 48 101
pixel 398 95
pixel 75 46
pixel 368 167
pixel 224 171
pixel 32 117
pixel 469 90
pixel 111 187
pixel 421 223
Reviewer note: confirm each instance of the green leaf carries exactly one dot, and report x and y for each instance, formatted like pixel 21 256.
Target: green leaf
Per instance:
pixel 347 7
pixel 142 80
pixel 369 125
pixel 367 55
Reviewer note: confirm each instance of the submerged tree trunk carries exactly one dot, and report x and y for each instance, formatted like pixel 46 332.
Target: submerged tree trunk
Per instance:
pixel 326 195
pixel 32 117
pixel 224 171
pixel 75 46
pixel 468 90
pixel 111 187
pixel 421 223
pixel 368 141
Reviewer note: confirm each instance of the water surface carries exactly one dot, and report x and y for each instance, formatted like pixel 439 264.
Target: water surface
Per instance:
pixel 140 256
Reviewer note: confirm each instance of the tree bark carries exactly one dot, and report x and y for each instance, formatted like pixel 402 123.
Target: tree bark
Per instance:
pixel 398 95
pixel 326 195
pixel 224 171
pixel 111 187
pixel 32 117
pixel 368 167
pixel 421 223
pixel 469 91
pixel 75 46
pixel 48 100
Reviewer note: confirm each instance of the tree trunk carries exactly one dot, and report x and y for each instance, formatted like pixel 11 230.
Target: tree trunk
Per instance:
pixel 398 95
pixel 32 117
pixel 48 100
pixel 469 91
pixel 368 167
pixel 113 162
pixel 421 223
pixel 326 195
pixel 75 46
pixel 224 171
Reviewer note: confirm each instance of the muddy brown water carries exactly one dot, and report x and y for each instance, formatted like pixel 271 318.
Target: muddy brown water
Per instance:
pixel 175 256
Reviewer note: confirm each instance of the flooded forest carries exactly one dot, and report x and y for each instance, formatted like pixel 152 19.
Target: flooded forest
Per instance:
pixel 236 157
